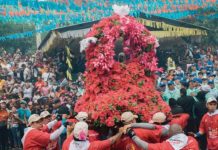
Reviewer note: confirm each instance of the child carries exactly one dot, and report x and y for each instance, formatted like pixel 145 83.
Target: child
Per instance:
pixel 209 124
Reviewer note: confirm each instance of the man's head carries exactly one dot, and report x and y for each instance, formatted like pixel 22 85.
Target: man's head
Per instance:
pixel 200 75
pixel 128 118
pixel 171 85
pixel 30 105
pixel 35 121
pixel 175 129
pixel 46 116
pixel 3 105
pixel 211 104
pixel 80 131
pixel 23 104
pixel 82 116
pixel 158 118
pixel 183 92
pixel 211 84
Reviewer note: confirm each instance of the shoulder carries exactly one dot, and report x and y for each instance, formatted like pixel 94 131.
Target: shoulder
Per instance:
pixel 100 145
pixel 159 146
pixel 66 143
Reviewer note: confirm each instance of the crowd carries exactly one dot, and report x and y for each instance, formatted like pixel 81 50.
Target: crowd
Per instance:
pixel 30 85
pixel 37 103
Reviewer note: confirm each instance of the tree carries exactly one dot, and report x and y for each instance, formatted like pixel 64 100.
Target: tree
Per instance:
pixel 26 45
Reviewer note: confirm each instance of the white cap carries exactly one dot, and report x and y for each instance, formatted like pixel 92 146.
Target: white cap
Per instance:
pixel 128 116
pixel 1 101
pixel 34 118
pixel 80 130
pixel 44 114
pixel 211 99
pixel 205 88
pixel 159 117
pixel 81 116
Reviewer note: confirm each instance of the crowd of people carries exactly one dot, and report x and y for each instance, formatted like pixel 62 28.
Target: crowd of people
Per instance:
pixel 30 85
pixel 37 109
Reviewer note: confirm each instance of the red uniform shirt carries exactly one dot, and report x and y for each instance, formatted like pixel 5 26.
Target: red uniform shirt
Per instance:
pixel 36 140
pixel 96 145
pixel 53 145
pixel 209 126
pixel 125 143
pixel 181 119
pixel 93 136
pixel 191 145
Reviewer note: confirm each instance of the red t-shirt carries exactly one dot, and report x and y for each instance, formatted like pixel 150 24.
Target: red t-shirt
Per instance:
pixel 191 145
pixel 93 135
pixel 209 126
pixel 53 145
pixel 36 140
pixel 125 143
pixel 96 145
pixel 181 119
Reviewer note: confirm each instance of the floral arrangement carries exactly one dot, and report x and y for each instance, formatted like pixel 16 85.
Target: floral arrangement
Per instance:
pixel 113 87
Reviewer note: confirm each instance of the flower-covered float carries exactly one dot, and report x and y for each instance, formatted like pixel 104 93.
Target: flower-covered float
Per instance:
pixel 113 87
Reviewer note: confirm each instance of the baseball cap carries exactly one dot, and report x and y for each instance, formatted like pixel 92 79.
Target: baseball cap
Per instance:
pixel 211 99
pixel 170 83
pixel 159 117
pixel 34 118
pixel 81 116
pixel 2 101
pixel 128 116
pixel 44 114
pixel 162 84
pixel 63 110
pixel 23 102
pixel 210 82
pixel 80 130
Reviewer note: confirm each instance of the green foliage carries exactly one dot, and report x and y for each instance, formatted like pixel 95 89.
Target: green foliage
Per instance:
pixel 26 45
pixel 201 19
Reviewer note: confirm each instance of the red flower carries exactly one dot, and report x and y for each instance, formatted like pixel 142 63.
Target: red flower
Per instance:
pixel 113 87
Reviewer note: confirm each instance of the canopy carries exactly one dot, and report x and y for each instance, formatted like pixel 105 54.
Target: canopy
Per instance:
pixel 159 26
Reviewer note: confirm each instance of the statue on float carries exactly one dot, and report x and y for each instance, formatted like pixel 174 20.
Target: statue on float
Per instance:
pixel 113 87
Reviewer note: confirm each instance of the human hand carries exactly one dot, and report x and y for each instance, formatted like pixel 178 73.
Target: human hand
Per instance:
pixel 121 130
pixel 126 127
pixel 59 117
pixel 192 134
pixel 130 133
pixel 65 124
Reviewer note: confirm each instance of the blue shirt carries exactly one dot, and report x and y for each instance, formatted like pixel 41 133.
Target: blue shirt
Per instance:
pixel 23 112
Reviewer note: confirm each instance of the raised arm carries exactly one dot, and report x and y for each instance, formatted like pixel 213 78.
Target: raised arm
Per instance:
pixel 142 144
pixel 143 125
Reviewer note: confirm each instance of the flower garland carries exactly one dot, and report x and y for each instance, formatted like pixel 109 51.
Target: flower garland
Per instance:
pixel 113 87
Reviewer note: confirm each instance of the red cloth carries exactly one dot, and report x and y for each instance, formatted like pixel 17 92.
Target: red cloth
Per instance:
pixel 45 129
pixel 53 145
pixel 181 119
pixel 93 136
pixel 151 136
pixel 100 145
pixel 36 140
pixel 96 145
pixel 209 126
pixel 192 145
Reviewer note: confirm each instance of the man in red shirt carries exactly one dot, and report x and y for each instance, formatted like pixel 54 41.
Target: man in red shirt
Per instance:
pixel 209 124
pixel 93 135
pixel 34 138
pixel 39 84
pixel 177 141
pixel 79 139
pixel 48 126
pixel 148 133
